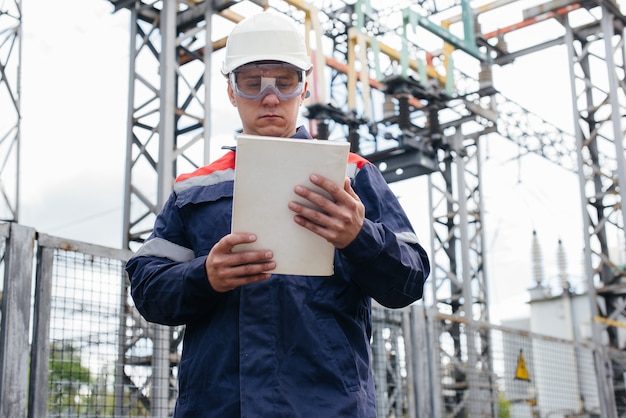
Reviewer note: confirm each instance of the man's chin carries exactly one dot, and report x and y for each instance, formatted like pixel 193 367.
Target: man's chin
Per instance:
pixel 272 131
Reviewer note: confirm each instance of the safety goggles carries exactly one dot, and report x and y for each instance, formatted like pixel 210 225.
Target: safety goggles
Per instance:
pixel 254 81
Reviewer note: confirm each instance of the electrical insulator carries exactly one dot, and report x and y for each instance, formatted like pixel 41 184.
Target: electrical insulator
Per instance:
pixel 537 259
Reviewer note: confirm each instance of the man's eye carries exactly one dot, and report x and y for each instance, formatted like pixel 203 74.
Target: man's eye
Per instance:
pixel 285 84
pixel 252 84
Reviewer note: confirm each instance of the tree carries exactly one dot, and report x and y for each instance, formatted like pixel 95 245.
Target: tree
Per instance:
pixel 68 380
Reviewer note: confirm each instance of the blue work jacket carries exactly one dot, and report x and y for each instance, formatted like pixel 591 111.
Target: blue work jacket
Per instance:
pixel 291 346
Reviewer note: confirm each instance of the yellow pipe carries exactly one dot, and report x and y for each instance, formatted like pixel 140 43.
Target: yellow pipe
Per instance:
pixel 610 322
pixel 480 9
pixel 393 54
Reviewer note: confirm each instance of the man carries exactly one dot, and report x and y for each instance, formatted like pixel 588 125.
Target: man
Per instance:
pixel 263 345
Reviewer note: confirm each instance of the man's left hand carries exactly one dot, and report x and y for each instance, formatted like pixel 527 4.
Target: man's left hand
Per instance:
pixel 338 220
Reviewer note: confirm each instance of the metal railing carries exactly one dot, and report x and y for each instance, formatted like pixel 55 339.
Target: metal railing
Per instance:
pixel 73 345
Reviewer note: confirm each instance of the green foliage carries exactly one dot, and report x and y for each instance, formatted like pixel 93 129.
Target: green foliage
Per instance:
pixel 68 380
pixel 65 365
pixel 73 391
pixel 504 407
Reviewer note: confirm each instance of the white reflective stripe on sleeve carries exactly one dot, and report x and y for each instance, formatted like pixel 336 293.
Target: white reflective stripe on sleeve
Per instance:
pixel 408 237
pixel 206 180
pixel 159 247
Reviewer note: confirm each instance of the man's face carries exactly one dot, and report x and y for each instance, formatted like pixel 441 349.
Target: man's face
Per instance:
pixel 281 89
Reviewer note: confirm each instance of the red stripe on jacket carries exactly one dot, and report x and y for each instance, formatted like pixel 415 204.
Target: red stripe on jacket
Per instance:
pixel 223 163
pixel 228 161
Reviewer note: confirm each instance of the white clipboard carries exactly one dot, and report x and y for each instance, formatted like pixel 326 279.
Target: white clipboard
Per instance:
pixel 266 171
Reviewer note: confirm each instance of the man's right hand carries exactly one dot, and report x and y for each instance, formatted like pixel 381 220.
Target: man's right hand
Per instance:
pixel 227 270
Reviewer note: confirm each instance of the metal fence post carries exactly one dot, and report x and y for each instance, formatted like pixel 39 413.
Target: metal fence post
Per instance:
pixel 14 333
pixel 421 359
pixel 38 393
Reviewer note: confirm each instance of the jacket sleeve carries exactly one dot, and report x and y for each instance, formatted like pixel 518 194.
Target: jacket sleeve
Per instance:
pixel 386 259
pixel 168 281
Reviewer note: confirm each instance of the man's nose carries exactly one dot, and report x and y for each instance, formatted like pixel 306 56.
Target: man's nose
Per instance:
pixel 270 98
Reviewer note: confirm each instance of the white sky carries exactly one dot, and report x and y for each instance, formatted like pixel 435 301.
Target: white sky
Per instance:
pixel 73 136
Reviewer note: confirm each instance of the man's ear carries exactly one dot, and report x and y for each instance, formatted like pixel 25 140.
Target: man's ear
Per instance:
pixel 231 95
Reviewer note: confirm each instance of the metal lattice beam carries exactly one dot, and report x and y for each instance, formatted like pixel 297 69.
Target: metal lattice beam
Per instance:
pixel 167 125
pixel 10 65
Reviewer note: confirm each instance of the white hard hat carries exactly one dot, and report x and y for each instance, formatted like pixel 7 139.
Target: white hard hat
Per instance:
pixel 266 36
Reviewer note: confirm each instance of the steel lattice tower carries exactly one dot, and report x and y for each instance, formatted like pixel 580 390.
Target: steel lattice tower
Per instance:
pixel 10 67
pixel 434 130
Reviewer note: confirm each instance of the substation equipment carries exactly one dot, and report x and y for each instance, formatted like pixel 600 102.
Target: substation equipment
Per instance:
pixel 411 112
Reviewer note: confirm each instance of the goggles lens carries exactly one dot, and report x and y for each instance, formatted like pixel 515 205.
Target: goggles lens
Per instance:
pixel 255 81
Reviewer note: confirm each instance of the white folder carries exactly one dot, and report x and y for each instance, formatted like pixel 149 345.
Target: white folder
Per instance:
pixel 266 173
